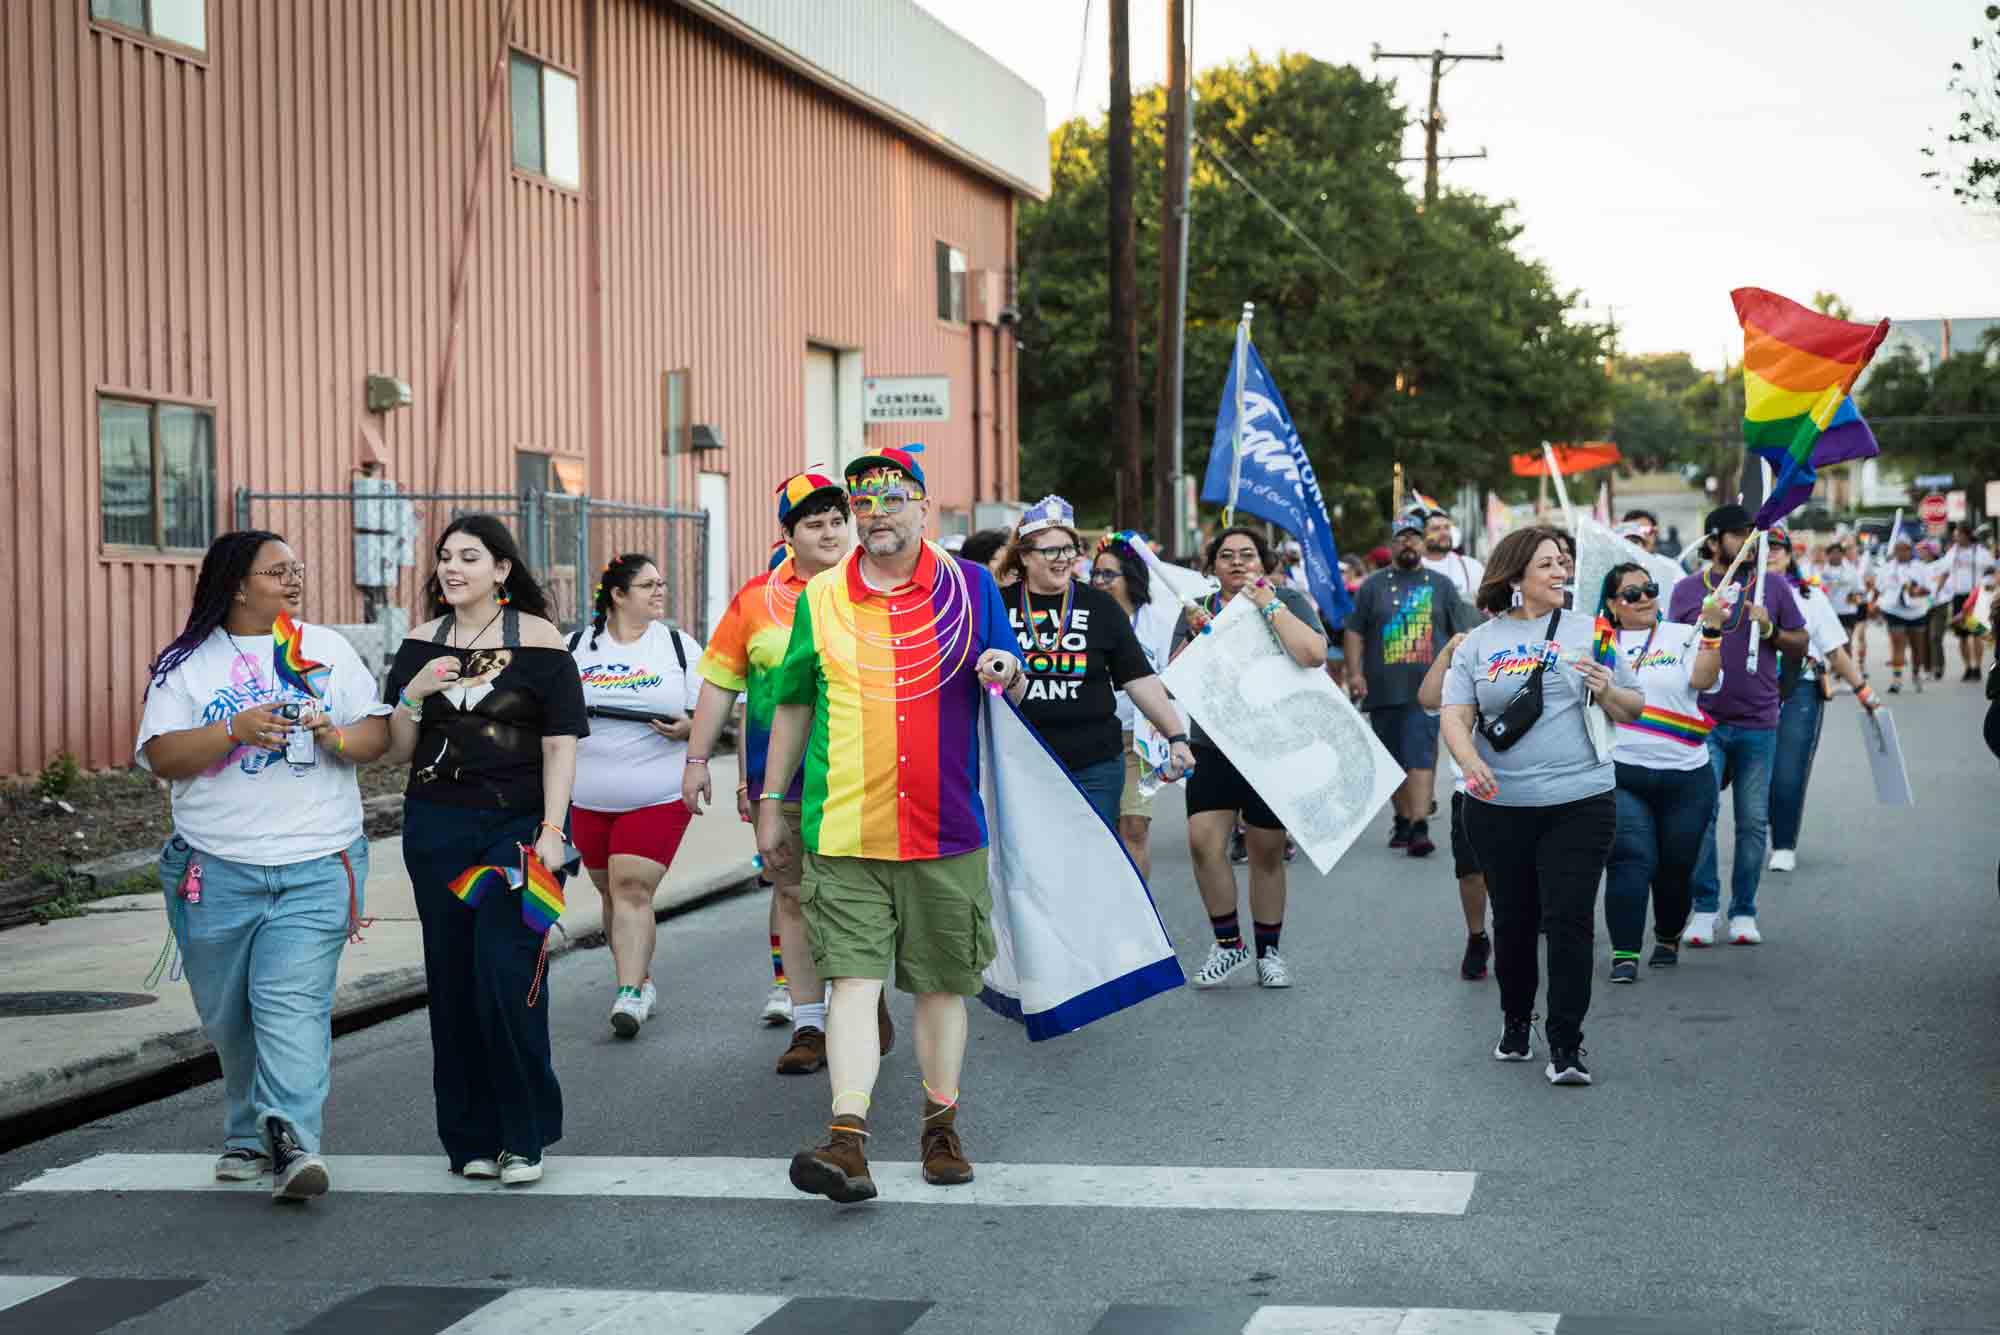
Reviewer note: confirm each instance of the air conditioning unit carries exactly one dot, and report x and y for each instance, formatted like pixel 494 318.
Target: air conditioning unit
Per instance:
pixel 985 295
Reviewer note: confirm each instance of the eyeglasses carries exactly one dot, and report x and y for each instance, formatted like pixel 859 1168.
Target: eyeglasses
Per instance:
pixel 292 573
pixel 1105 576
pixel 1066 552
pixel 1639 593
pixel 647 585
pixel 882 502
pixel 1237 556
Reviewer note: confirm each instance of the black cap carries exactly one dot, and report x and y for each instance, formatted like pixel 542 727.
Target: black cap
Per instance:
pixel 1727 519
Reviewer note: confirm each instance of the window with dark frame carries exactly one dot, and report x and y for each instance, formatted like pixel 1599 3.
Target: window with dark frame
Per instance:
pixel 181 22
pixel 543 101
pixel 156 475
pixel 950 283
pixel 674 411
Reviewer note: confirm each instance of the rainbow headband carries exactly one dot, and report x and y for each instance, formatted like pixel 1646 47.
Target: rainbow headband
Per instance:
pixel 289 661
pixel 541 890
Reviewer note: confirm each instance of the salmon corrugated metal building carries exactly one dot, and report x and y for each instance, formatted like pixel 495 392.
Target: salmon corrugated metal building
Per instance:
pixel 647 250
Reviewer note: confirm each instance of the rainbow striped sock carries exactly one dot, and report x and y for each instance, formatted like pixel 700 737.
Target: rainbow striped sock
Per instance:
pixel 777 964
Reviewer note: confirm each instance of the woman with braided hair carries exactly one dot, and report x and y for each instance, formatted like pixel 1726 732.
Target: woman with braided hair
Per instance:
pixel 627 817
pixel 258 721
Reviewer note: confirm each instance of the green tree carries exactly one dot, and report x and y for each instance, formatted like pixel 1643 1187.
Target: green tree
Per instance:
pixel 1971 169
pixel 1945 420
pixel 1715 419
pixel 1829 303
pixel 1393 334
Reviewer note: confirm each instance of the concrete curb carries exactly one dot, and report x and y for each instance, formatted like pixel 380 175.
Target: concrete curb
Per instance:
pixel 97 1076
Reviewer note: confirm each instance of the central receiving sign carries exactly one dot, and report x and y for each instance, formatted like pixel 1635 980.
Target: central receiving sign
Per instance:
pixel 906 398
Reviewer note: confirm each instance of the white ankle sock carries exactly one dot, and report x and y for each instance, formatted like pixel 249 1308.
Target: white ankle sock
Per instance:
pixel 811 1015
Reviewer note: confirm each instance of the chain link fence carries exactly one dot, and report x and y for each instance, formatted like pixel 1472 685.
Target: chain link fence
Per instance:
pixel 368 551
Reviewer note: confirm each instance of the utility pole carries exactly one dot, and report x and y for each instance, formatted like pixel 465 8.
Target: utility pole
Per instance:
pixel 1167 485
pixel 1124 278
pixel 1441 62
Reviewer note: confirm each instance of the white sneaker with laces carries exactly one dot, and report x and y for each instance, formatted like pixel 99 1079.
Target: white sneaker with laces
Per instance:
pixel 1700 931
pixel 481 1170
pixel 242 1165
pixel 628 1012
pixel 649 997
pixel 1743 931
pixel 777 1007
pixel 1784 859
pixel 1271 970
pixel 516 1171
pixel 1222 962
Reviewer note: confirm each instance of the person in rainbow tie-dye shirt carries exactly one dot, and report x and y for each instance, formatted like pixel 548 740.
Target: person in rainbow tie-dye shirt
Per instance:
pixel 880 692
pixel 747 647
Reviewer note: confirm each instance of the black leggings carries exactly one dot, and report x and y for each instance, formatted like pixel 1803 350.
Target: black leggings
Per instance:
pixel 1542 866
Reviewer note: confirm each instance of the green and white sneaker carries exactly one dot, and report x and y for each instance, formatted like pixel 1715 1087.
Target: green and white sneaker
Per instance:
pixel 628 1012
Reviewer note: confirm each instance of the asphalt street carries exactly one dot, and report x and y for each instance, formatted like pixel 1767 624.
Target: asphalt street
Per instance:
pixel 1796 1137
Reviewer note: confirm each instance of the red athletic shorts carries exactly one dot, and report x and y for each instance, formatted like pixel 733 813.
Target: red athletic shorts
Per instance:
pixel 650 832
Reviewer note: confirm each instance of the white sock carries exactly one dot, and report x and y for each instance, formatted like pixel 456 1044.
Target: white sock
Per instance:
pixel 811 1015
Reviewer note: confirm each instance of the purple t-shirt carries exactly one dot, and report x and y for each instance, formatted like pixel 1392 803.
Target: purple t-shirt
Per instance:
pixel 1745 699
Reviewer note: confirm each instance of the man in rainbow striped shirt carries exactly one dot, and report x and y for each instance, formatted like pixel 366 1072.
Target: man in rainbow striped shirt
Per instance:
pixel 880 691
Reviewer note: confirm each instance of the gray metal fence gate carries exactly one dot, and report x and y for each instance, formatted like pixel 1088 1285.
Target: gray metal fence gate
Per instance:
pixel 368 556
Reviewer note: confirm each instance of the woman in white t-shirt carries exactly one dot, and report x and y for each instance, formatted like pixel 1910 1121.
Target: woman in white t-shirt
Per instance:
pixel 1666 787
pixel 626 813
pixel 1903 585
pixel 257 721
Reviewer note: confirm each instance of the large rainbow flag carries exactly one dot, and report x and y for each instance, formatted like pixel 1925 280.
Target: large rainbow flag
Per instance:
pixel 1798 416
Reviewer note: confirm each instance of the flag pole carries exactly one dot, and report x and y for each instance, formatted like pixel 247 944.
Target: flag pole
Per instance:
pixel 1236 441
pixel 1395 491
pixel 1562 492
pixel 1763 562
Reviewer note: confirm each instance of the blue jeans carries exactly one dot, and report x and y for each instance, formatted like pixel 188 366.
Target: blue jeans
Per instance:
pixel 1799 721
pixel 261 950
pixel 1662 814
pixel 1103 782
pixel 1741 761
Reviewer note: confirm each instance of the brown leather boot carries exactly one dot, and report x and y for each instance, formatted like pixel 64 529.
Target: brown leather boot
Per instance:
pixel 806 1054
pixel 945 1164
pixel 837 1170
pixel 885 1028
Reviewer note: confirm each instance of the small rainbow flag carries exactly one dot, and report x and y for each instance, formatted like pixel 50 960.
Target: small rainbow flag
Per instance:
pixel 473 883
pixel 1798 367
pixel 541 894
pixel 289 661
pixel 1687 729
pixel 1604 642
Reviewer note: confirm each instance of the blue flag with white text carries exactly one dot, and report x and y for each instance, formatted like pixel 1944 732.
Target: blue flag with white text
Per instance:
pixel 1277 483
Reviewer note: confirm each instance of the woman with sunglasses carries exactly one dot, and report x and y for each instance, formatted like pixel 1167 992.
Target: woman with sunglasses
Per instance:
pixel 1078 650
pixel 1120 570
pixel 267 864
pixel 1666 786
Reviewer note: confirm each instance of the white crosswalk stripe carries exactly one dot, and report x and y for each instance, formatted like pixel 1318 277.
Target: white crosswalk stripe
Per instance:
pixel 1306 1190
pixel 1398 1321
pixel 17 1289
pixel 608 1312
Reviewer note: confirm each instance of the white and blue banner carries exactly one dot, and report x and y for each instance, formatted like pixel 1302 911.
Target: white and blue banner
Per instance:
pixel 1077 934
pixel 1277 482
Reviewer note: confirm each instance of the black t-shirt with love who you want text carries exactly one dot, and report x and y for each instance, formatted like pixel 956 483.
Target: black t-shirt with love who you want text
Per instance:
pixel 1074 668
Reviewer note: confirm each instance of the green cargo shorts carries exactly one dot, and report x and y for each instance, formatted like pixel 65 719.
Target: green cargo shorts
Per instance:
pixel 931 917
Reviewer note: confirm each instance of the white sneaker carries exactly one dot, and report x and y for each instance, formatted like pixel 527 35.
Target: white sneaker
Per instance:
pixel 1743 931
pixel 628 1012
pixel 1271 971
pixel 1700 931
pixel 650 996
pixel 1222 962
pixel 481 1170
pixel 777 1007
pixel 1784 859
pixel 518 1172
pixel 242 1165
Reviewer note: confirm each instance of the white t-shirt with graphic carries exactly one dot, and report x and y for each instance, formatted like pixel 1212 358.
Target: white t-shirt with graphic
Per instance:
pixel 1672 733
pixel 1892 581
pixel 1843 586
pixel 1968 566
pixel 252 806
pixel 624 765
pixel 1463 571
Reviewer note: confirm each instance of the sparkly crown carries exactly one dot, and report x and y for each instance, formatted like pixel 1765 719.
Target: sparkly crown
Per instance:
pixel 1048 512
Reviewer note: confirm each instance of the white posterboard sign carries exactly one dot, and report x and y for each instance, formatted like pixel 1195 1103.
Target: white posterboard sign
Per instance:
pixel 1599 551
pixel 906 398
pixel 1885 759
pixel 1288 730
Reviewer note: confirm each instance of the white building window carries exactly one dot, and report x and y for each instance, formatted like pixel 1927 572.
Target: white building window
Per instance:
pixel 950 283
pixel 156 475
pixel 546 137
pixel 181 22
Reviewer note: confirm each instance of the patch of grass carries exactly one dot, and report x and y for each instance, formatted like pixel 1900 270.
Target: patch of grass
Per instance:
pixel 58 776
pixel 76 892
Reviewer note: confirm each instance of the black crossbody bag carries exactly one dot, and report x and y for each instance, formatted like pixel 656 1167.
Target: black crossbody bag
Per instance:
pixel 1521 712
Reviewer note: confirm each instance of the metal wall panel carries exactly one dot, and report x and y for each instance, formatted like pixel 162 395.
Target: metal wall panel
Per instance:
pixel 258 229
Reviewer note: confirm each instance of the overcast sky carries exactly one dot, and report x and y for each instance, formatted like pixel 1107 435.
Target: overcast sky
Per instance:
pixel 1660 154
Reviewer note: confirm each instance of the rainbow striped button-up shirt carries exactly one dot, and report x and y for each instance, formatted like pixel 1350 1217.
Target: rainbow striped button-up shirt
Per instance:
pixel 892 762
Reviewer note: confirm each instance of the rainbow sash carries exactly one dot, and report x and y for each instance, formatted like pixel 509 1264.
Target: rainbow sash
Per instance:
pixel 1687 729
pixel 289 661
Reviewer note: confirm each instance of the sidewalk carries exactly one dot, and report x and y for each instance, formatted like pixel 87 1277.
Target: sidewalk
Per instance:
pixel 52 1059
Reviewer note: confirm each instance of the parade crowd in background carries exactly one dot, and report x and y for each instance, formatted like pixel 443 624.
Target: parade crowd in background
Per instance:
pixel 1586 736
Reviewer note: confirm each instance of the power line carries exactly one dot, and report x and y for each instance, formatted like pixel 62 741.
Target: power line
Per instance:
pixel 1441 62
pixel 1273 209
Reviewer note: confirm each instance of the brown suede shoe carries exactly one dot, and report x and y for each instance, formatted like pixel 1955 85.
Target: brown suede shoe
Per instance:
pixel 945 1164
pixel 837 1170
pixel 885 1028
pixel 806 1054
